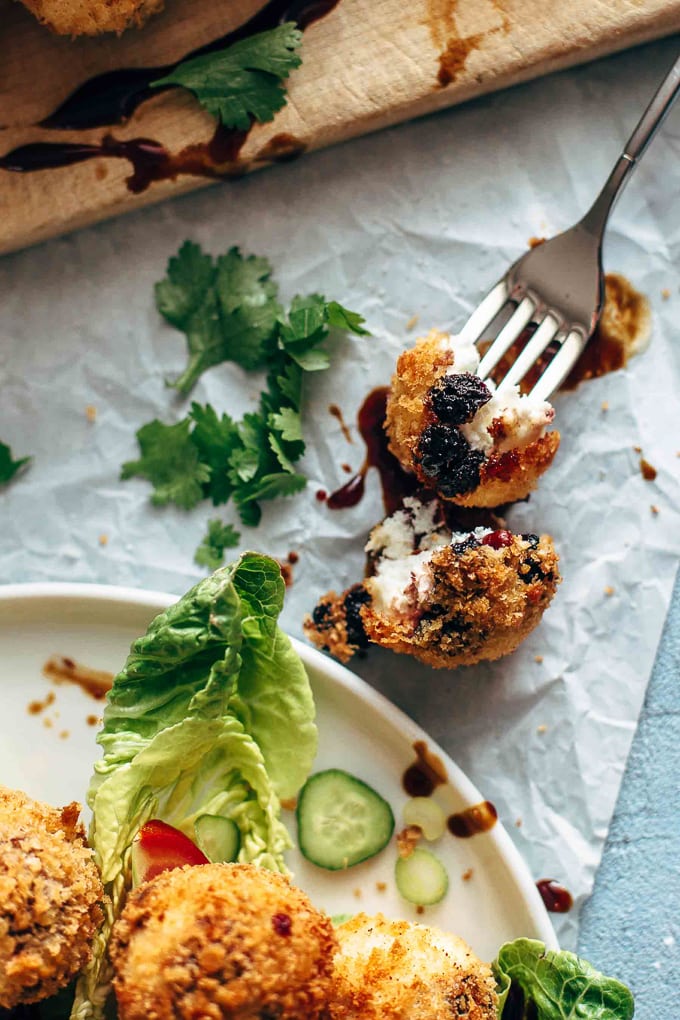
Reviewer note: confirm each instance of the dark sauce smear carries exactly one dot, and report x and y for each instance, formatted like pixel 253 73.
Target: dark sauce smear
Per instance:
pixel 426 773
pixel 150 160
pixel 473 820
pixel 556 898
pixel 113 97
pixel 61 669
pixel 395 482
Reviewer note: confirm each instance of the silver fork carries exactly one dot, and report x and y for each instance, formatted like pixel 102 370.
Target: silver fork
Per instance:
pixel 557 288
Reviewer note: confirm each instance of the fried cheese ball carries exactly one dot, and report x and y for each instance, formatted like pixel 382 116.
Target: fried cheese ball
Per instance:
pixel 447 598
pixel 50 895
pixel 472 444
pixel 221 941
pixel 92 17
pixel 406 971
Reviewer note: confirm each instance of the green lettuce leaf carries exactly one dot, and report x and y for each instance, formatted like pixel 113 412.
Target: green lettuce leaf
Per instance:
pixel 548 985
pixel 211 714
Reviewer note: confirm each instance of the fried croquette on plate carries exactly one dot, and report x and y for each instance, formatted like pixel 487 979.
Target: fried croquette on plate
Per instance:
pixel 50 895
pixel 473 444
pixel 397 970
pixel 92 17
pixel 221 941
pixel 447 598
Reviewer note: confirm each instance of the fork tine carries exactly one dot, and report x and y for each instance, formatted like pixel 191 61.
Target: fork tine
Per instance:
pixel 485 312
pixel 561 365
pixel 519 319
pixel 532 352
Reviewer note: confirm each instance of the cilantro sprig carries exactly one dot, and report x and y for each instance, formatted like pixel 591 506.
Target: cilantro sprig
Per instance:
pixel 244 81
pixel 229 310
pixel 9 467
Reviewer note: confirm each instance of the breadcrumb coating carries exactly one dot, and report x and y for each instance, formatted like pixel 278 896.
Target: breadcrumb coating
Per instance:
pixel 397 970
pixel 498 463
pixel 50 896
pixel 221 941
pixel 92 17
pixel 451 605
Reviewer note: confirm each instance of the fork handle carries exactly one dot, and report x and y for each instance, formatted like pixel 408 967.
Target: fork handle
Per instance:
pixel 596 218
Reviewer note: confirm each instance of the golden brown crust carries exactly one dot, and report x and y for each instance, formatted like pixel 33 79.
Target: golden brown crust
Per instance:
pixel 481 604
pixel 92 17
pixel 417 371
pixel 504 478
pixel 396 970
pixel 50 896
pixel 204 942
pixel 329 631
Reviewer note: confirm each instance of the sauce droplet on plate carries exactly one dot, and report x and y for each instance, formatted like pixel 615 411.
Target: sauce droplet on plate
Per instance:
pixel 426 773
pixel 472 820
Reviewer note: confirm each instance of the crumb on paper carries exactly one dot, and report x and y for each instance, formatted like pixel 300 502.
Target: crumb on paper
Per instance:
pixel 665 293
pixel 103 539
pixel 381 886
pixel 518 823
pixel 638 449
pixel 534 242
pixel 412 323
pixel 93 720
pixel 605 405
pixel 420 909
pixel 538 659
pixel 357 894
pixel 47 723
pixel 289 803
pixel 654 508
pixel 64 735
pixel 647 470
pixel 609 590
pixel 408 839
pixel 542 728
pixel 467 875
pixel 91 413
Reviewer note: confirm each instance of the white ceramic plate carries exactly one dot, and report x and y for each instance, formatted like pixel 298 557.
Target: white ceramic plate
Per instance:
pixel 359 730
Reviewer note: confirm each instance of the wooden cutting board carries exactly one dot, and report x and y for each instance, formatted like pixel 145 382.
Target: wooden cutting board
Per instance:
pixel 366 64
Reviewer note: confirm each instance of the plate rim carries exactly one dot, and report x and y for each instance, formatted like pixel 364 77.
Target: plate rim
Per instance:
pixel 66 591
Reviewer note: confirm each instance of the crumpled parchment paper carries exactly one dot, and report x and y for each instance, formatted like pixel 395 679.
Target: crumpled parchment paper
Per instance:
pixel 419 220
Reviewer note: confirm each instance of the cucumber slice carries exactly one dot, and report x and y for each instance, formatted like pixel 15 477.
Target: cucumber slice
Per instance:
pixel 341 821
pixel 218 838
pixel 427 815
pixel 421 878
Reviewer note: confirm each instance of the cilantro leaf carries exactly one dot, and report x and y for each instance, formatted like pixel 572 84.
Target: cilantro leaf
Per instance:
pixel 244 81
pixel 250 311
pixel 170 461
pixel 341 318
pixel 228 311
pixel 8 466
pixel 190 276
pixel 217 538
pixel 288 422
pixel 228 308
pixel 216 439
